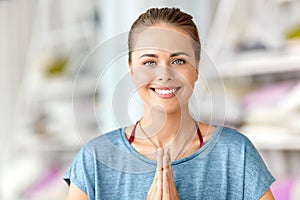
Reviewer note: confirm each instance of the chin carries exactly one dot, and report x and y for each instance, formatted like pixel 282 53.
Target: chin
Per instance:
pixel 168 108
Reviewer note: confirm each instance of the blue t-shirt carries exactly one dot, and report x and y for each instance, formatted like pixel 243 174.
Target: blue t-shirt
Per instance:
pixel 227 167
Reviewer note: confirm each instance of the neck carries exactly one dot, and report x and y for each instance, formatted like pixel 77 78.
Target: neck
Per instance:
pixel 163 128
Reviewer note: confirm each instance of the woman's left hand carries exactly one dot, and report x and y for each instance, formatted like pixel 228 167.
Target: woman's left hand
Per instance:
pixel 169 188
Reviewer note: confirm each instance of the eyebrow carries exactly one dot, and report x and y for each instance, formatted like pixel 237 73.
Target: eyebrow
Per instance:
pixel 149 55
pixel 179 53
pixel 156 56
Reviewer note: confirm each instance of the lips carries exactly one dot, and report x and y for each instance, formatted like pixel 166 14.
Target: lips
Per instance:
pixel 165 92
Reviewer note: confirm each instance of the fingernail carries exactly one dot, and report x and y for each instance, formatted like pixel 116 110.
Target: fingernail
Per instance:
pixel 159 150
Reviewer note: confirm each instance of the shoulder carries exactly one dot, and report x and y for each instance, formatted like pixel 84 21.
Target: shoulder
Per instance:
pixel 256 176
pixel 238 146
pixel 223 135
pixel 239 157
pixel 233 137
pixel 113 137
pixel 105 144
pixel 234 142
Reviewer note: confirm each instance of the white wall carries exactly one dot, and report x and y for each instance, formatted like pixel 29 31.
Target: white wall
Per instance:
pixel 14 37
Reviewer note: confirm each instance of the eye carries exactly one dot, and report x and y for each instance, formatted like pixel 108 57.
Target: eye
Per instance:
pixel 178 62
pixel 149 63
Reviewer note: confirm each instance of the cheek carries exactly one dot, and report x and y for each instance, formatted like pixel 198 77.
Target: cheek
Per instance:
pixel 142 76
pixel 188 77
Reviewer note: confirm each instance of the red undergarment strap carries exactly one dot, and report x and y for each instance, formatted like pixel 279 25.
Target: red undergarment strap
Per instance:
pixel 131 138
pixel 200 136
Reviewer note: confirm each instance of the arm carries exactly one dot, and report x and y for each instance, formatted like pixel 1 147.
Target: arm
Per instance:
pixel 267 196
pixel 75 193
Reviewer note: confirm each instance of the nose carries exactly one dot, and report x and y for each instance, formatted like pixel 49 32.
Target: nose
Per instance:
pixel 165 74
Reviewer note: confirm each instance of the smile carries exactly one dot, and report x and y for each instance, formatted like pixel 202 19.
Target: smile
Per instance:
pixel 165 92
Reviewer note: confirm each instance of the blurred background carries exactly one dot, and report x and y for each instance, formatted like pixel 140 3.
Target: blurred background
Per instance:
pixel 57 92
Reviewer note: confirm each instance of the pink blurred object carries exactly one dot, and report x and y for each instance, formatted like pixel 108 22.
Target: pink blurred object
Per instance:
pixel 46 179
pixel 283 190
pixel 268 94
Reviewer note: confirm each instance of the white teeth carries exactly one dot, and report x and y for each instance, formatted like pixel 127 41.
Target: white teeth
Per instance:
pixel 165 91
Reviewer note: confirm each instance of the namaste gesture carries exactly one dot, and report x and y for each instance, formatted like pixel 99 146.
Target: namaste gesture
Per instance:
pixel 163 186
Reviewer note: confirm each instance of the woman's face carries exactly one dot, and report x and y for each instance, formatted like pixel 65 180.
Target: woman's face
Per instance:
pixel 163 67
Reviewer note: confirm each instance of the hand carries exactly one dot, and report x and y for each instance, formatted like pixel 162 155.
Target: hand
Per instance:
pixel 163 186
pixel 155 192
pixel 169 188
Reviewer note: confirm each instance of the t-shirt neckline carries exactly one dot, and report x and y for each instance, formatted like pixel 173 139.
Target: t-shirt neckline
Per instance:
pixel 202 152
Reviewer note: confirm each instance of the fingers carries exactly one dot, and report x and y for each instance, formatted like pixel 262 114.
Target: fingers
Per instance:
pixel 159 171
pixel 166 175
pixel 159 159
pixel 163 186
pixel 169 188
pixel 155 192
pixel 166 184
pixel 158 174
pixel 167 163
pixel 166 158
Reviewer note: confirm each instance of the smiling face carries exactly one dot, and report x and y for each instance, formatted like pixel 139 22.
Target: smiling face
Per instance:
pixel 163 67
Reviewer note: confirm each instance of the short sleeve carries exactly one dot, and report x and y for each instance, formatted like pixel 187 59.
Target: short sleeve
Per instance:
pixel 257 177
pixel 82 172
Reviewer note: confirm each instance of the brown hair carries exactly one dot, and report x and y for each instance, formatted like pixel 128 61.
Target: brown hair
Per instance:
pixel 172 16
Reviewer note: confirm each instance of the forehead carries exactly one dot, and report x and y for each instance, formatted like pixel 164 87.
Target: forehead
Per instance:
pixel 163 38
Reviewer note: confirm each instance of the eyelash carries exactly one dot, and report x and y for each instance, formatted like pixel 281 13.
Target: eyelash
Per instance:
pixel 147 63
pixel 181 61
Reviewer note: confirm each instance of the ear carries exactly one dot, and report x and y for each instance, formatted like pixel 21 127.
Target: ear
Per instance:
pixel 130 67
pixel 196 74
pixel 197 69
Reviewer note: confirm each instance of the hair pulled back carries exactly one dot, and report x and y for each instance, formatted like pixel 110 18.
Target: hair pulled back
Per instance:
pixel 172 16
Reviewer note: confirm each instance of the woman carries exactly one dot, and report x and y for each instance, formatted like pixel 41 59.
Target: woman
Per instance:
pixel 167 154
